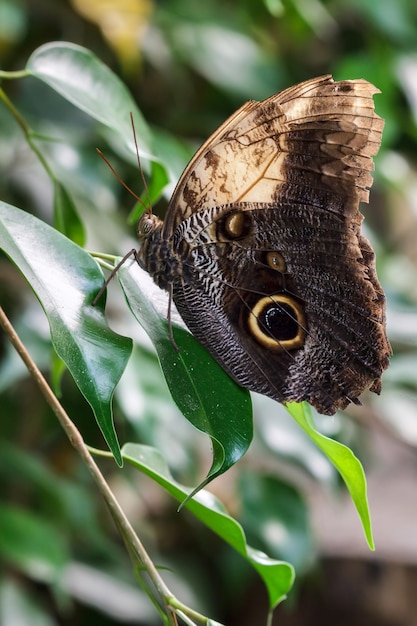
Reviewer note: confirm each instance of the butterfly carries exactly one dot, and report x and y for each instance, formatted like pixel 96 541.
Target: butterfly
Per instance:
pixel 262 252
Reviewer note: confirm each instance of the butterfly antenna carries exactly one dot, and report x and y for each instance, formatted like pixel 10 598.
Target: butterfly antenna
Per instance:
pixel 120 179
pixel 148 207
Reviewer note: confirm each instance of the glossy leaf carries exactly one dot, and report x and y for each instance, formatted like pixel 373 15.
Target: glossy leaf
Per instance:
pixel 346 463
pixel 80 77
pixel 278 576
pixel 66 218
pixel 65 279
pixel 204 393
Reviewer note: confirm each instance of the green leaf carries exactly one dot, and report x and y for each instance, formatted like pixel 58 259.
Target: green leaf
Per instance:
pixel 31 543
pixel 66 218
pixel 80 77
pixel 346 463
pixel 65 279
pixel 275 517
pixel 277 576
pixel 158 181
pixel 204 393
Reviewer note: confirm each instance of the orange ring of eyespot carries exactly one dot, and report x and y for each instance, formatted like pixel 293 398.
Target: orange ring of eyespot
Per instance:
pixel 267 340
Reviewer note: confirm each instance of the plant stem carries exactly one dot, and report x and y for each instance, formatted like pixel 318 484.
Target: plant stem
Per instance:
pixel 14 75
pixel 77 441
pixel 27 131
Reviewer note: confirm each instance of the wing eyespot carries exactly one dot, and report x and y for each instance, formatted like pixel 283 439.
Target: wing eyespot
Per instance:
pixel 278 323
pixel 275 261
pixel 237 225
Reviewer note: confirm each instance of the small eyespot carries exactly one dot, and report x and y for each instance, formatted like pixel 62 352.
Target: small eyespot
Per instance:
pixel 275 261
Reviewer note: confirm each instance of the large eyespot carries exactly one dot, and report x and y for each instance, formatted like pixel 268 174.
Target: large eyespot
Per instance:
pixel 237 225
pixel 278 322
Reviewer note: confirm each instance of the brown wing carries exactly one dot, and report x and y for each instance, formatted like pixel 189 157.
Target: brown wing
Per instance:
pixel 271 272
pixel 320 132
pixel 292 307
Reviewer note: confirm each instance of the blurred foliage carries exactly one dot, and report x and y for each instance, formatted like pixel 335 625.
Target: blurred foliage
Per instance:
pixel 188 65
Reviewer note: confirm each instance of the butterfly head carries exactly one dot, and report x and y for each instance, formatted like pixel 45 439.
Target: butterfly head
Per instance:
pixel 148 231
pixel 147 226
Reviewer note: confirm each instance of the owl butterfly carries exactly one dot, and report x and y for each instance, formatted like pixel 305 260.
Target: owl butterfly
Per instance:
pixel 261 246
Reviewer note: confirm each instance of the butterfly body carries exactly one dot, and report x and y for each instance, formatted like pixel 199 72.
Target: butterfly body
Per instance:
pixel 262 251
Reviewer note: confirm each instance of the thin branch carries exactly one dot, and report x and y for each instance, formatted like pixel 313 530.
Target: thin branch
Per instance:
pixel 131 539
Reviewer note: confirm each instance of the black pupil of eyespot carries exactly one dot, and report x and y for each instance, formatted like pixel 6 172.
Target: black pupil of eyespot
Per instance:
pixel 278 320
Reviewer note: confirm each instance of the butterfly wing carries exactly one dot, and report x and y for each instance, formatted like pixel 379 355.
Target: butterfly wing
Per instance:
pixel 298 317
pixel 318 135
pixel 274 277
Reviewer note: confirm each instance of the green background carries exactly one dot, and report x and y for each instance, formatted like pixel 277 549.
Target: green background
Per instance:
pixel 188 66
